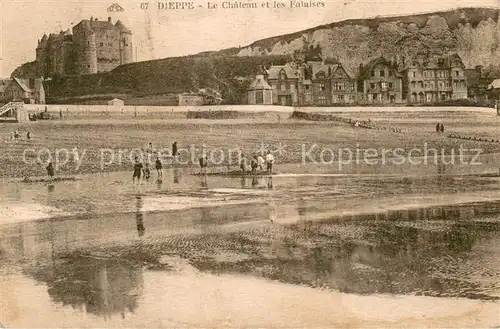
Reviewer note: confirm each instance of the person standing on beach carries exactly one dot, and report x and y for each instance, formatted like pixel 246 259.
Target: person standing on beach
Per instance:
pixel 137 171
pixel 270 161
pixel 260 162
pixel 254 164
pixel 159 168
pixel 442 128
pixel 50 171
pixel 28 135
pixel 174 149
pixel 438 127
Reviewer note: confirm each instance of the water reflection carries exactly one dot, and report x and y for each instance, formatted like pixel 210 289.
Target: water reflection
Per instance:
pixel 177 175
pixel 97 286
pixel 436 251
pixel 139 216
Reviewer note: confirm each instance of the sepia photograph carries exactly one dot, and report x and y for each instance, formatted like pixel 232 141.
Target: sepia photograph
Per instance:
pixel 250 164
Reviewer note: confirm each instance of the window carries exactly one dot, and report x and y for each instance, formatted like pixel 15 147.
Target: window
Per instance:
pixel 322 99
pixel 391 73
pixel 259 97
pixel 457 73
pixel 413 84
pixel 391 85
pixel 382 73
pixel 373 73
pixel 283 87
pixel 414 74
pixel 383 85
pixel 353 98
pixel 88 43
pixel 322 87
pixel 88 66
pixel 341 98
pixel 307 87
pixel 101 44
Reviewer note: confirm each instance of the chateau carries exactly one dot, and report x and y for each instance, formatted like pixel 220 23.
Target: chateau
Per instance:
pixel 94 46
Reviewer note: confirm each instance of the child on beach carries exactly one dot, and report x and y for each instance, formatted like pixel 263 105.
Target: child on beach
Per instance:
pixel 270 161
pixel 254 164
pixel 159 166
pixel 146 171
pixel 137 171
pixel 260 162
pixel 50 171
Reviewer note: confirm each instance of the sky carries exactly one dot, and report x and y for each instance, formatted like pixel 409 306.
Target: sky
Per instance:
pixel 167 33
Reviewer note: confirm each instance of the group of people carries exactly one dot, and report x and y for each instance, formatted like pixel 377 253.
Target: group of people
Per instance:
pixel 141 170
pixel 15 135
pixel 257 162
pixel 439 128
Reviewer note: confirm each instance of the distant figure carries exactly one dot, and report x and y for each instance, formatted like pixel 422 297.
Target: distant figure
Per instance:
pixel 16 135
pixel 28 135
pixel 60 114
pixel 438 127
pixel 50 171
pixel 146 171
pixel 137 171
pixel 243 164
pixel 203 164
pixel 12 135
pixel 174 149
pixel 254 164
pixel 269 161
pixel 76 156
pixel 442 128
pixel 139 217
pixel 159 168
pixel 149 148
pixel 260 162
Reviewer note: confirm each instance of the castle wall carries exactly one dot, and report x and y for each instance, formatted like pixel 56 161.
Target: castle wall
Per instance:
pixel 85 50
pixel 95 46
pixel 108 49
pixel 126 50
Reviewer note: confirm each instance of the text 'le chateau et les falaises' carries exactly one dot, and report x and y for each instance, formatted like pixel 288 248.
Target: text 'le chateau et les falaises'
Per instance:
pixel 235 5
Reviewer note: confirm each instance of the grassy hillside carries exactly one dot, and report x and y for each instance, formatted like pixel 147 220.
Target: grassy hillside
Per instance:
pixel 231 75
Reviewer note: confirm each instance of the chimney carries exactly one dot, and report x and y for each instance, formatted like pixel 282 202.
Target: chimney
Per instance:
pixel 109 19
pixel 91 18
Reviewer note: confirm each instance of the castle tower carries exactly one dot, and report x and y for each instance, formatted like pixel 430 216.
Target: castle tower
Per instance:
pixel 41 56
pixel 126 49
pixel 85 48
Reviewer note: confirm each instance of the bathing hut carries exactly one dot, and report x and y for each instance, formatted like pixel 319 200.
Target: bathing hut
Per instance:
pixel 116 102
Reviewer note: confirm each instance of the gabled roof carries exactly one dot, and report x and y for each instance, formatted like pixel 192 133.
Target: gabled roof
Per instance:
pixel 260 84
pixel 436 62
pixel 23 85
pixel 317 67
pixel 274 72
pixel 341 69
pixel 366 70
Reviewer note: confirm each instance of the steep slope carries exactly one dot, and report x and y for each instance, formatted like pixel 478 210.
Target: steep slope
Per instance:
pixel 471 32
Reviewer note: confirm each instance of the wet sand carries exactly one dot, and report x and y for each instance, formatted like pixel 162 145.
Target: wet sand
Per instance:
pixel 312 246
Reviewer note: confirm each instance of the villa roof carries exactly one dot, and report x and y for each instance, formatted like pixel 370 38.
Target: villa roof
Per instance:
pixel 260 84
pixel 274 71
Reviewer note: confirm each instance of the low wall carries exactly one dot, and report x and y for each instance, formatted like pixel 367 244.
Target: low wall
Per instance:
pixel 130 109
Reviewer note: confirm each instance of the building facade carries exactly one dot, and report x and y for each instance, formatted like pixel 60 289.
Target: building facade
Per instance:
pixel 94 46
pixel 25 90
pixel 436 79
pixel 380 82
pixel 260 92
pixel 284 81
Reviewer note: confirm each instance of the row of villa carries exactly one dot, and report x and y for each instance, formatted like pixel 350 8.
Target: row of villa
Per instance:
pixel 381 81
